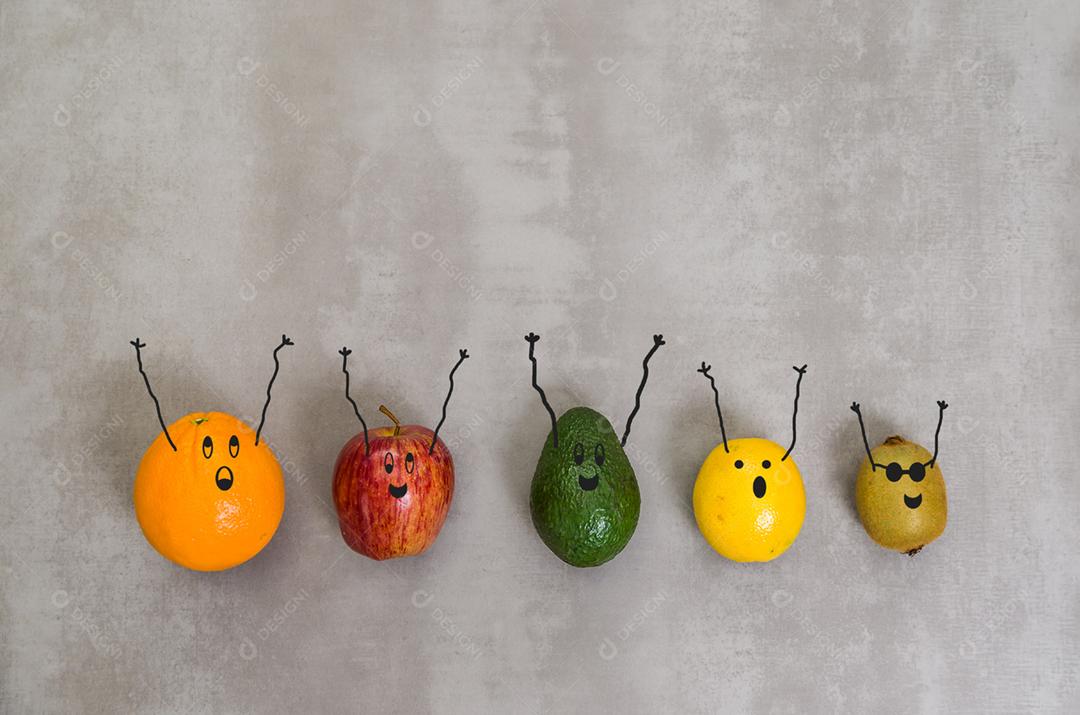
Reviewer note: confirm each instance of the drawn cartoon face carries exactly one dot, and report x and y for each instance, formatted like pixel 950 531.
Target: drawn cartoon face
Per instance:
pixel 399 472
pixel 219 490
pixel 208 495
pixel 393 485
pixel 749 502
pixel 408 464
pixel 223 477
pixel 917 471
pixel 584 496
pixel 393 500
pixel 587 470
pixel 901 494
pixel 909 486
pixel 589 463
pixel 895 452
pixel 901 508
pixel 227 456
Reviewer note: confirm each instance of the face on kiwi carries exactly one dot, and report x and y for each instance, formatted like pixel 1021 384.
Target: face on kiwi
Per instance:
pixel 902 503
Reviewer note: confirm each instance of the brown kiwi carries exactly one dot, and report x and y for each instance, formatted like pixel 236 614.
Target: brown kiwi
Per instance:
pixel 906 514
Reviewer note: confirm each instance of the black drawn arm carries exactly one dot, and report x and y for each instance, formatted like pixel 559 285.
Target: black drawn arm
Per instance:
pixel 658 340
pixel 157 406
pixel 464 355
pixel 284 341
pixel 531 339
pixel 345 353
pixel 942 406
pixel 795 412
pixel 704 370
pixel 866 444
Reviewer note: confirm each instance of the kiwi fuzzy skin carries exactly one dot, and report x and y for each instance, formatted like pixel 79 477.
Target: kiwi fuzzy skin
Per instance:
pixel 882 510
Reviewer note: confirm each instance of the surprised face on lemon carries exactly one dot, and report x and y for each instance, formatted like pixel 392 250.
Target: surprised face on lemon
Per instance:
pixel 749 501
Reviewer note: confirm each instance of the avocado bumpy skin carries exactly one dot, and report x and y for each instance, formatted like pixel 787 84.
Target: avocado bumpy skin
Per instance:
pixel 584 527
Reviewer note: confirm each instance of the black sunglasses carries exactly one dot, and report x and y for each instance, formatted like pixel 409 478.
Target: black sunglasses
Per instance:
pixel 894 471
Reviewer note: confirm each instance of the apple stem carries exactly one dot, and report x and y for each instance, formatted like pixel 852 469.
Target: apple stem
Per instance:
pixel 397 425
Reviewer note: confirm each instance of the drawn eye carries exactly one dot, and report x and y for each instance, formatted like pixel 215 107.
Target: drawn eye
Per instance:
pixel 894 471
pixel 410 463
pixel 917 471
pixel 766 464
pixel 207 446
pixel 388 462
pixel 738 464
pixel 598 455
pixel 579 453
pixel 234 446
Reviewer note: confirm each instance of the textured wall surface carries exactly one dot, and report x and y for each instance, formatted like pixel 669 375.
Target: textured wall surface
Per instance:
pixel 888 192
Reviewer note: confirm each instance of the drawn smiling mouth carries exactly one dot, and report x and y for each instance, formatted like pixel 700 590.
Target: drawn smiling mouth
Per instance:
pixel 588 484
pixel 913 502
pixel 398 492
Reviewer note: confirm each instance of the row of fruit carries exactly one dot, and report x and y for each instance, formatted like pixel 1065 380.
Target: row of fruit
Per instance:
pixel 209 492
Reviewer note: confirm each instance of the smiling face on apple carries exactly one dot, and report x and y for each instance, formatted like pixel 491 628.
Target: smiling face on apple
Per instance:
pixel 393 485
pixel 393 496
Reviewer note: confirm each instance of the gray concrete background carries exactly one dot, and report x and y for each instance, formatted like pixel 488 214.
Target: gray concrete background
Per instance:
pixel 886 192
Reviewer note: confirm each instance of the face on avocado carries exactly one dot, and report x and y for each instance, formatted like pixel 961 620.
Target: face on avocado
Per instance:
pixel 588 483
pixel 584 497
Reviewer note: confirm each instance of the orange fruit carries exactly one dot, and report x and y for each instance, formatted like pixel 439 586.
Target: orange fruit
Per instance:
pixel 215 501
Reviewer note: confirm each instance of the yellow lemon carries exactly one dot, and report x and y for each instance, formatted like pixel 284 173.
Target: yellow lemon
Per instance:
pixel 748 500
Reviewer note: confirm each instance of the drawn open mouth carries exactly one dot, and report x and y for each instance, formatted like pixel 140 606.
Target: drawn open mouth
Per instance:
pixel 398 492
pixel 588 484
pixel 224 481
pixel 913 502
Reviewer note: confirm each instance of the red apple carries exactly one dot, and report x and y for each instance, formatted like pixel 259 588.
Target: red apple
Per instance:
pixel 392 497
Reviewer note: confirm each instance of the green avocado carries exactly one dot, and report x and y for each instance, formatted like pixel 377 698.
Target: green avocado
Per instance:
pixel 584 498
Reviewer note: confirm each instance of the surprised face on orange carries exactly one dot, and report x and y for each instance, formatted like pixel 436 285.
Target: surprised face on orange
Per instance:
pixel 214 502
pixel 209 493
